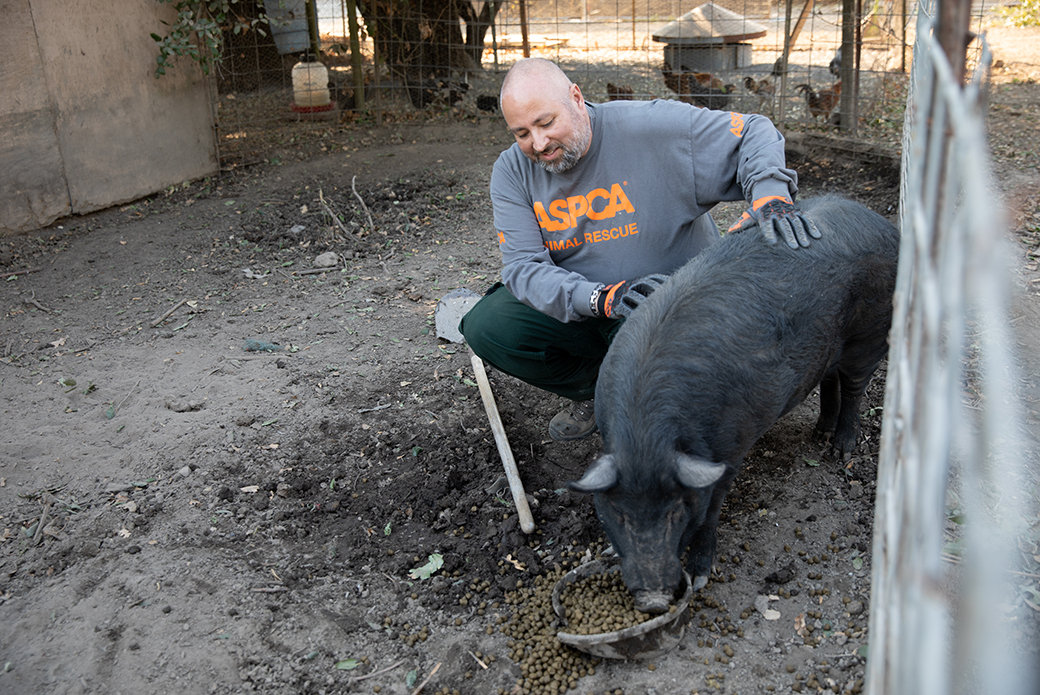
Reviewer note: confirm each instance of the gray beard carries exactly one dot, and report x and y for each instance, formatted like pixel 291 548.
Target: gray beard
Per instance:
pixel 571 153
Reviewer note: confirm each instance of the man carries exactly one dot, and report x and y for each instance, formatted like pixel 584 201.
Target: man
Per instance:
pixel 594 204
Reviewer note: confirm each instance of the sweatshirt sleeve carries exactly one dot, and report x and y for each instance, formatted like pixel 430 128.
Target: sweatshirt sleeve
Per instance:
pixel 528 271
pixel 745 151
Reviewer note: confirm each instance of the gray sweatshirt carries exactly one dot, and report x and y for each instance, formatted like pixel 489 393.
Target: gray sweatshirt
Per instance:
pixel 637 203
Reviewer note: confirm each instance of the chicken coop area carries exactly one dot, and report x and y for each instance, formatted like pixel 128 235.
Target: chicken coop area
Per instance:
pixel 792 61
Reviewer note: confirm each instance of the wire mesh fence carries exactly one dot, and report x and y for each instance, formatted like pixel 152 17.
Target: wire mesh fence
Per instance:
pixel 935 631
pixel 425 59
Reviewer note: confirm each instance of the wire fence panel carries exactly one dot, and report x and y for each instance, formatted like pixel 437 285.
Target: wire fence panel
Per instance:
pixel 422 59
pixel 934 631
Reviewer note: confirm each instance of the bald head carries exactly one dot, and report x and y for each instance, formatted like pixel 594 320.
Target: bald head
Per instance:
pixel 546 114
pixel 536 76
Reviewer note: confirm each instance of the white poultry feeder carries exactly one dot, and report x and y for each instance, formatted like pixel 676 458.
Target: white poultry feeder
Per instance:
pixel 708 38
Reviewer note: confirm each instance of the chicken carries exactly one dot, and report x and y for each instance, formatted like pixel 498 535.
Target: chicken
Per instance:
pixel 616 93
pixel 835 65
pixel 436 91
pixel 698 88
pixel 763 87
pixel 709 81
pixel 823 102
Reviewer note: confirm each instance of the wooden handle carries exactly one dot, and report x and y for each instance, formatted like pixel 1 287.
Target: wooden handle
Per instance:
pixel 515 486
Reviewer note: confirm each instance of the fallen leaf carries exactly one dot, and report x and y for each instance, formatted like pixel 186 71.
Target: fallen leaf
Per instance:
pixel 434 563
pixel 762 606
pixel 250 488
pixel 799 625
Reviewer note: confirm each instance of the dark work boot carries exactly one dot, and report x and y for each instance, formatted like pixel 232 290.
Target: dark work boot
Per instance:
pixel 576 422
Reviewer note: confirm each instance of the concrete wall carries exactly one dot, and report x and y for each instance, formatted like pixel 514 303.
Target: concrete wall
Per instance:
pixel 84 123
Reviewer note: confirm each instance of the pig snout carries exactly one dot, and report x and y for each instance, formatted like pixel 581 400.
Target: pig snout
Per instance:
pixel 652 602
pixel 655 585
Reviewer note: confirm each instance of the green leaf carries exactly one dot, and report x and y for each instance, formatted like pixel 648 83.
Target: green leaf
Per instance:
pixel 435 562
pixel 386 529
pixel 857 562
pixel 347 664
pixel 111 412
pixel 410 679
pixel 811 462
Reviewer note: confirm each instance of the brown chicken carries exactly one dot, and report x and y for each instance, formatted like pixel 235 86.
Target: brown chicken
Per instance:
pixel 619 93
pixel 823 102
pixel 698 88
pixel 763 87
pixel 709 81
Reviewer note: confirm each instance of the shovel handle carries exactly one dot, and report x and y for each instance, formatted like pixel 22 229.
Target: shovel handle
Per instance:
pixel 512 474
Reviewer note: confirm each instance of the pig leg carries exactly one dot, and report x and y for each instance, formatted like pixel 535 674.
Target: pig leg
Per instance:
pixel 830 406
pixel 853 386
pixel 701 558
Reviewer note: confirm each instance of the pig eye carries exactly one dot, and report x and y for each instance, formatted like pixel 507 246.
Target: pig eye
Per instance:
pixel 685 447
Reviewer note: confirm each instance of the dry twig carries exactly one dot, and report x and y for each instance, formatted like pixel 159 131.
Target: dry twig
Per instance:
pixel 328 211
pixel 371 224
pixel 43 520
pixel 427 679
pixel 32 300
pixel 169 313
pixel 20 272
pixel 355 679
pixel 127 395
pixel 315 271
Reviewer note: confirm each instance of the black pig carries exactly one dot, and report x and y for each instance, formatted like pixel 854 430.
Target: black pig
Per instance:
pixel 736 338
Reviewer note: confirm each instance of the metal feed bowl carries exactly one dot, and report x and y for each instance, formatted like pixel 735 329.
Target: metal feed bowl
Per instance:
pixel 644 641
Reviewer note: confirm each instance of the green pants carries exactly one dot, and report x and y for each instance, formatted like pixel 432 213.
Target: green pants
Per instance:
pixel 563 358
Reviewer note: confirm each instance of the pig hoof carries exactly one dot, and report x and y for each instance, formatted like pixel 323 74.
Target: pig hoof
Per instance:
pixel 654 603
pixel 700 582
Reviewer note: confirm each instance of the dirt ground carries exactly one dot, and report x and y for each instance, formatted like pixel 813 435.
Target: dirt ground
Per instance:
pixel 222 472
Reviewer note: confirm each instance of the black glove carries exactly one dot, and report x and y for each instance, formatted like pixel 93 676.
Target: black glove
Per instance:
pixel 777 215
pixel 621 299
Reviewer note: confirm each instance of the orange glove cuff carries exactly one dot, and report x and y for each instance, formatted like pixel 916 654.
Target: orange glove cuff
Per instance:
pixel 607 297
pixel 762 201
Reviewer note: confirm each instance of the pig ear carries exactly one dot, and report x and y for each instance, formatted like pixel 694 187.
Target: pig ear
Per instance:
pixel 694 472
pixel 601 476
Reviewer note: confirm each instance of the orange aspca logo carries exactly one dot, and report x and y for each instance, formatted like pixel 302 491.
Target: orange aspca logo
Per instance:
pixel 737 121
pixel 599 204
